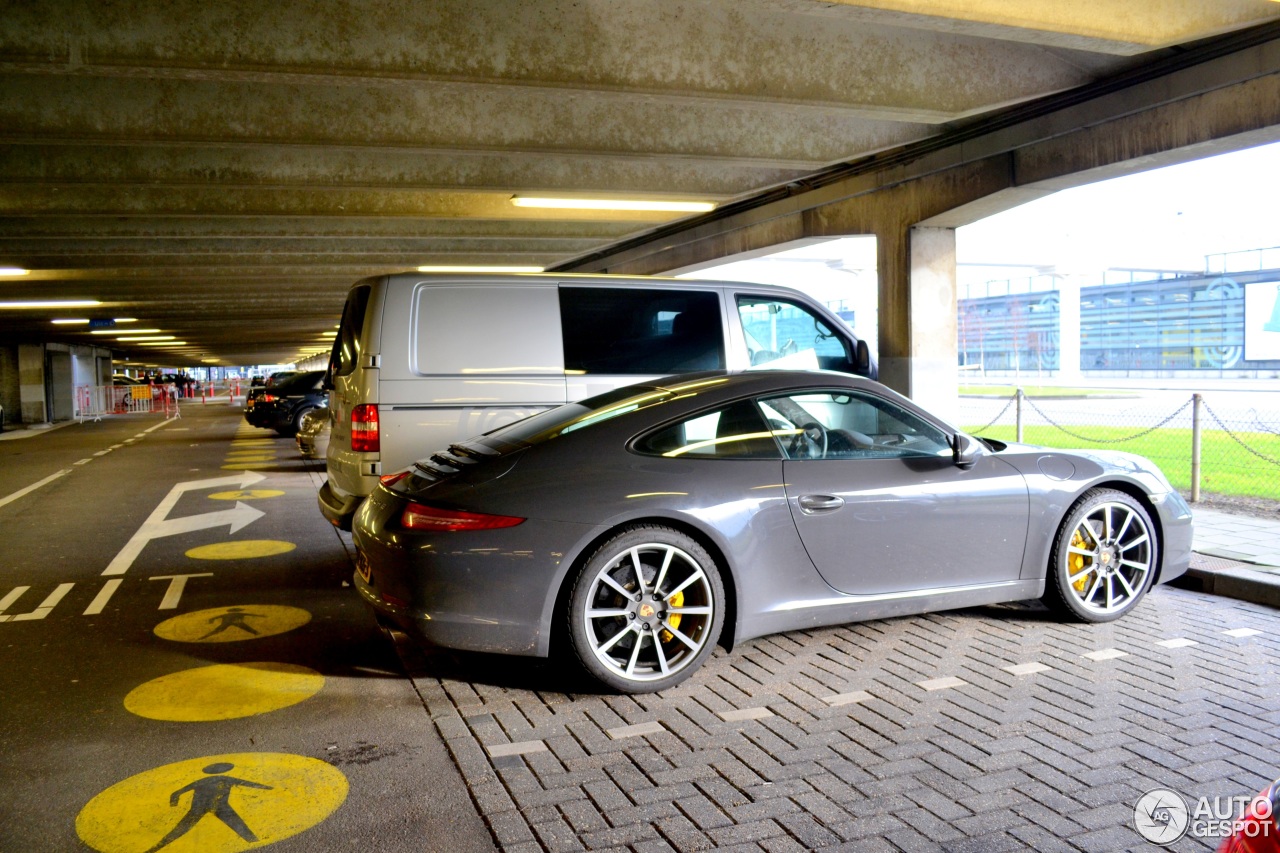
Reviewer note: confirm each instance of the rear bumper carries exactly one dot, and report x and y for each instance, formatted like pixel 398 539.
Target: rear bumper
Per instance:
pixel 339 511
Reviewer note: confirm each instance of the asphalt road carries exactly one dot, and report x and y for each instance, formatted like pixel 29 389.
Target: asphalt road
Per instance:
pixel 222 683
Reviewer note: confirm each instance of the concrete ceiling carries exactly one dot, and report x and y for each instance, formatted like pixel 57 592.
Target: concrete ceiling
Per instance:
pixel 223 171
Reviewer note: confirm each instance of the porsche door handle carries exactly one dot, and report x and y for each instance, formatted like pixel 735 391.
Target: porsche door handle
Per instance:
pixel 820 503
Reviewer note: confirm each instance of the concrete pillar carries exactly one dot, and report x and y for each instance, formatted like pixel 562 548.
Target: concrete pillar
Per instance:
pixel 1069 329
pixel 31 383
pixel 918 317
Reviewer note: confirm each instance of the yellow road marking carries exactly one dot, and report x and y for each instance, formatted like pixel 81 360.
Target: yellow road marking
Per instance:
pixel 214 804
pixel 223 692
pixel 246 494
pixel 242 549
pixel 232 624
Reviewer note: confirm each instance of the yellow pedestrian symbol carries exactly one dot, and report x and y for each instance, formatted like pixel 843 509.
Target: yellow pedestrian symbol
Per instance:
pixel 210 796
pixel 214 804
pixel 232 624
pixel 246 494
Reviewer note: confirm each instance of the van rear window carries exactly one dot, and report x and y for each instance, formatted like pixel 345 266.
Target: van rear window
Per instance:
pixel 346 346
pixel 615 330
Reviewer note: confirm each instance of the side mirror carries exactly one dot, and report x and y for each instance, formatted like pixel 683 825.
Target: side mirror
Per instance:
pixel 862 357
pixel 965 450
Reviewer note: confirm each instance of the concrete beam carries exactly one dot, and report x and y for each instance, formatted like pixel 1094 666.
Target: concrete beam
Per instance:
pixel 313 167
pixel 921 69
pixel 1105 26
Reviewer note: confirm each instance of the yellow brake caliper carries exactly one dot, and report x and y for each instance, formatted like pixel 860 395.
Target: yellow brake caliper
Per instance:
pixel 1078 564
pixel 673 620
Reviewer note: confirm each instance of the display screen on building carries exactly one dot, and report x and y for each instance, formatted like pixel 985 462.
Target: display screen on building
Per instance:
pixel 1262 321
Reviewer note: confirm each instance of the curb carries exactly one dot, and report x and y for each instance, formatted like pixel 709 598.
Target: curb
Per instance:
pixel 1237 581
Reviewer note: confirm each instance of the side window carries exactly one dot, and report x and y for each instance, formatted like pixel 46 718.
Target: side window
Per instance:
pixel 346 346
pixel 783 334
pixel 637 331
pixel 842 425
pixel 735 432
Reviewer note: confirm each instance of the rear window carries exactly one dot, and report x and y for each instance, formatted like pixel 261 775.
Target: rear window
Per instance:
pixel 614 330
pixel 593 410
pixel 346 346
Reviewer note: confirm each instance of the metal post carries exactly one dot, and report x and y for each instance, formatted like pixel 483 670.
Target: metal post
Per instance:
pixel 1018 411
pixel 1196 400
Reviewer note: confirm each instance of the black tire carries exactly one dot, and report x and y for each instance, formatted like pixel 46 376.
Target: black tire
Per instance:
pixel 651 644
pixel 1105 556
pixel 291 429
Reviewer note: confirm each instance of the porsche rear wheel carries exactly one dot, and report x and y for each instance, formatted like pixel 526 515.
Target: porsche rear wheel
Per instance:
pixel 1104 557
pixel 646 610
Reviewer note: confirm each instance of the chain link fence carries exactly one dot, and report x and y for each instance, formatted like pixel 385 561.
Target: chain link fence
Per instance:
pixel 1203 445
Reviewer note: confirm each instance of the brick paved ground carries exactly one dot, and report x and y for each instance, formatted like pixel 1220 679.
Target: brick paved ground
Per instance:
pixel 981 730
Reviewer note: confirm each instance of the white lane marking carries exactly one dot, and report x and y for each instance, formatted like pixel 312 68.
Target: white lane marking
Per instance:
pixel 177 583
pixel 84 461
pixel 154 428
pixel 29 489
pixel 100 600
pixel 103 452
pixel 16 593
pixel 157 524
pixel 45 608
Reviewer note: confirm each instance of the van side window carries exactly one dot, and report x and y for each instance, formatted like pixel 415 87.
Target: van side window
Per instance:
pixel 617 330
pixel 785 335
pixel 346 346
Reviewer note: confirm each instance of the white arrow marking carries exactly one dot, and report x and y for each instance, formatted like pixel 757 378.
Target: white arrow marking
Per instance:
pixel 159 524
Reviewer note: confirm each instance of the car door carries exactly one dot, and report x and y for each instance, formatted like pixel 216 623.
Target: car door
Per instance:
pixel 880 504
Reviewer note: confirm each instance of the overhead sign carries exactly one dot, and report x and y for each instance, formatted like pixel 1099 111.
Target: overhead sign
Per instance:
pixel 102 324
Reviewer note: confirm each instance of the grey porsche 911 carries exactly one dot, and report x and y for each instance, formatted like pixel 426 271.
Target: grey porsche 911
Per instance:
pixel 655 521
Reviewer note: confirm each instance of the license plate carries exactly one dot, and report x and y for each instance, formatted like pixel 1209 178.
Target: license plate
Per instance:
pixel 363 568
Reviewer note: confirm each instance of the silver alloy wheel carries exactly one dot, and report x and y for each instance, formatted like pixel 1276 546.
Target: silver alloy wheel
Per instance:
pixel 649 613
pixel 1109 558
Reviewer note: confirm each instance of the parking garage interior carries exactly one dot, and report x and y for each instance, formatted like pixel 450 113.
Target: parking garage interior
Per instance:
pixel 216 176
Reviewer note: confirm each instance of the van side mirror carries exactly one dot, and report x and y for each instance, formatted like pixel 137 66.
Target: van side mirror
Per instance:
pixel 965 450
pixel 862 357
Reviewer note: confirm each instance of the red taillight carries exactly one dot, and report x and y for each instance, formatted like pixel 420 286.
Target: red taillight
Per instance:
pixel 267 398
pixel 419 517
pixel 364 429
pixel 390 480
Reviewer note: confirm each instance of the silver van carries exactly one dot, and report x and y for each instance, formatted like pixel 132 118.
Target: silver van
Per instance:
pixel 423 361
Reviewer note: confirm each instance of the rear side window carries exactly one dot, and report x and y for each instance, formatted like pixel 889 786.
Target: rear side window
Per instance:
pixel 547 425
pixel 617 330
pixel 346 346
pixel 737 431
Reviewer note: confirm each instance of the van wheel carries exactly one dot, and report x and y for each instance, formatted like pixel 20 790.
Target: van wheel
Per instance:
pixel 646 610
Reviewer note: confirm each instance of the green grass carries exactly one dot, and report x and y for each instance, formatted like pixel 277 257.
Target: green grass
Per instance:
pixel 1226 468
pixel 1038 391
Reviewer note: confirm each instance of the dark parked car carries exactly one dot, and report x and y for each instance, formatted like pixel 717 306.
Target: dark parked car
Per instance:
pixel 282 406
pixel 657 520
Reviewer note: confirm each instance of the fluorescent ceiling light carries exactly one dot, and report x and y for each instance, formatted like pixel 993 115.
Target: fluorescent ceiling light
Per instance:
pixel 51 303
pixel 613 204
pixel 126 319
pixel 162 344
pixel 477 268
pixel 135 339
pixel 70 322
pixel 130 332
pixel 13 271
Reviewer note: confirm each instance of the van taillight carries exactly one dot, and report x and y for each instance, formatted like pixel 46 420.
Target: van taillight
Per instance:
pixel 364 429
